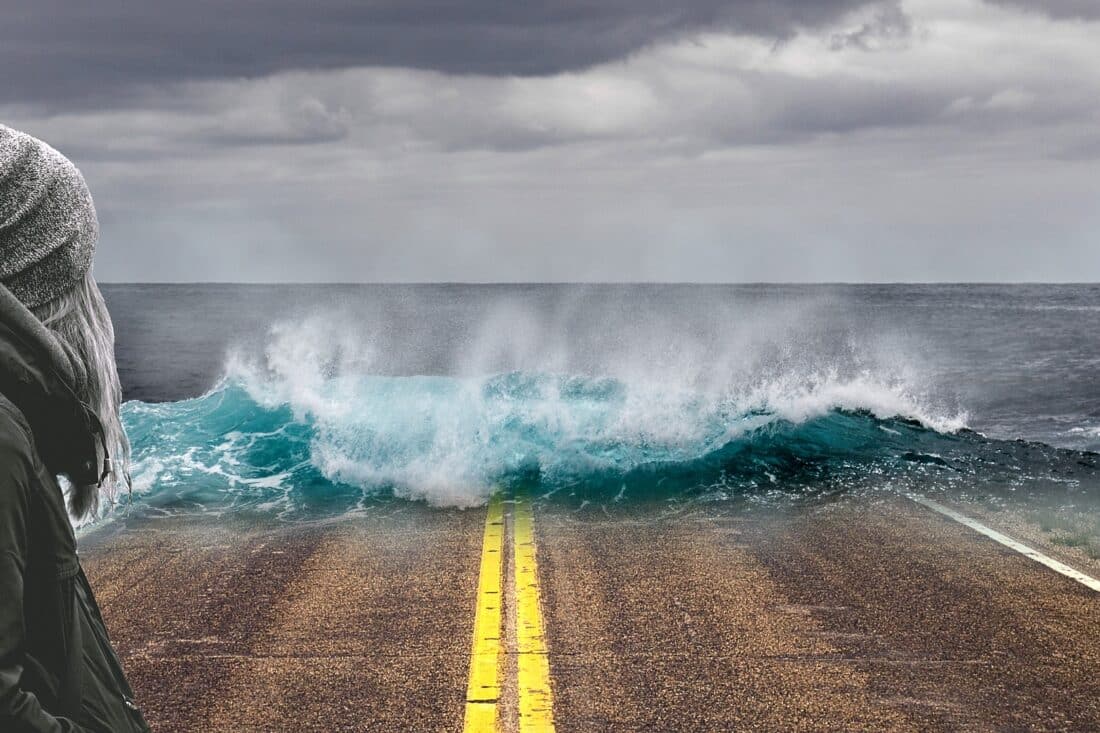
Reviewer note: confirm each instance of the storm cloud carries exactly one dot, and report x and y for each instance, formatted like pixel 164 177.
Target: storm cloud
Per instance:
pixel 1086 9
pixel 57 50
pixel 909 140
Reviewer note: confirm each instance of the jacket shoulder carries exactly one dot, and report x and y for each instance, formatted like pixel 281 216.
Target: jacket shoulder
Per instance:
pixel 16 441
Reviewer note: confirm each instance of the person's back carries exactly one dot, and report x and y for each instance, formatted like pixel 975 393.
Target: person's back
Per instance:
pixel 58 416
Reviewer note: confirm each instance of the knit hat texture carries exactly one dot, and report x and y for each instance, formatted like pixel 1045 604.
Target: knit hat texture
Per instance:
pixel 48 225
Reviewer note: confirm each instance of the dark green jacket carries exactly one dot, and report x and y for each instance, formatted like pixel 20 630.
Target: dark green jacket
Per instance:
pixel 58 672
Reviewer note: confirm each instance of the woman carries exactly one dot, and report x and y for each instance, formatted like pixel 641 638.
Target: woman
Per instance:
pixel 59 416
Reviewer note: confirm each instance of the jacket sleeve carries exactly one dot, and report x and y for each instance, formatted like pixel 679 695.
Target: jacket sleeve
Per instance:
pixel 20 710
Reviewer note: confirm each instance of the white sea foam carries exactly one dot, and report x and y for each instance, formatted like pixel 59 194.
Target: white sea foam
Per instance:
pixel 446 439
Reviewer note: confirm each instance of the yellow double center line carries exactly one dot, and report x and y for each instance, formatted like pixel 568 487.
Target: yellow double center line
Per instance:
pixel 483 690
pixel 536 701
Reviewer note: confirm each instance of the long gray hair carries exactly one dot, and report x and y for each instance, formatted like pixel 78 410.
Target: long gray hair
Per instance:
pixel 80 320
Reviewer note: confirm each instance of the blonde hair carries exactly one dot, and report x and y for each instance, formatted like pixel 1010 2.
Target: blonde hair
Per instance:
pixel 80 321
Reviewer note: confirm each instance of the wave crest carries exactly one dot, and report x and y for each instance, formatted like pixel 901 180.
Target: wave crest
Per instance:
pixel 309 427
pixel 312 427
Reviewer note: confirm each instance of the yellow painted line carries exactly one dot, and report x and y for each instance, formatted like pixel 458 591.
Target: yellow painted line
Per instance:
pixel 483 689
pixel 536 701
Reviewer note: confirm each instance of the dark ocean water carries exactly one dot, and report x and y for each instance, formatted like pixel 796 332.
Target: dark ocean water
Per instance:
pixel 286 398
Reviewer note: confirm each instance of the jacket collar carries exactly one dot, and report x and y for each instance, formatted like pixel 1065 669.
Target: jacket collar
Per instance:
pixel 40 378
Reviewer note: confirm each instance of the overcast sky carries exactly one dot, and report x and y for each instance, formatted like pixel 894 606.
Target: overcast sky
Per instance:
pixel 495 140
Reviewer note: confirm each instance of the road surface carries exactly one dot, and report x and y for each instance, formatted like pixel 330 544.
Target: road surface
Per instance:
pixel 858 613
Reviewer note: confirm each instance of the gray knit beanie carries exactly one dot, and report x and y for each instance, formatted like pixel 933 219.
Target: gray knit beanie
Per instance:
pixel 48 226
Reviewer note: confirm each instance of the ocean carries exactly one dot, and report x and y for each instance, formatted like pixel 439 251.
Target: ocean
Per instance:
pixel 299 400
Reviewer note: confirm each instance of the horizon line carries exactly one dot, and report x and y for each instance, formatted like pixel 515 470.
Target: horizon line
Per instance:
pixel 482 283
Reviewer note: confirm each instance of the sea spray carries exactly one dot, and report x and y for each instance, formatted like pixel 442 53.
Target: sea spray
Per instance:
pixel 307 427
pixel 449 439
pixel 313 424
pixel 587 392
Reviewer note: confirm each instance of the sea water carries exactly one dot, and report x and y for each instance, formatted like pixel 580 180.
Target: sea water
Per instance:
pixel 302 400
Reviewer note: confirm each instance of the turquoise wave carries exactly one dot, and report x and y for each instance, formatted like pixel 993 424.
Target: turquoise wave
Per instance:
pixel 347 443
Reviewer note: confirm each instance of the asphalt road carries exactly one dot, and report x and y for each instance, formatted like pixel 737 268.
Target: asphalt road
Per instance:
pixel 360 625
pixel 852 614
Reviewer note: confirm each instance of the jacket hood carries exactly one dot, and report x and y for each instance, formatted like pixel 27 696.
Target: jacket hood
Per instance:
pixel 40 378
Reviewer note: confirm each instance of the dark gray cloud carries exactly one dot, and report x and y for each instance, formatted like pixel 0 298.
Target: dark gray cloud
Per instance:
pixel 1084 9
pixel 61 52
pixel 909 139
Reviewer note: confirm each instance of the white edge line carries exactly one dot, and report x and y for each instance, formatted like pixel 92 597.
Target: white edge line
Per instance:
pixel 1058 567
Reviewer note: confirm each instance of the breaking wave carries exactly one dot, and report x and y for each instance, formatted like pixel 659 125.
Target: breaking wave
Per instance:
pixel 308 428
pixel 450 441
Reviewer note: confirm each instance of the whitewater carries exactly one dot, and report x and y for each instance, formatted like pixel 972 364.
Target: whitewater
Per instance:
pixel 587 396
